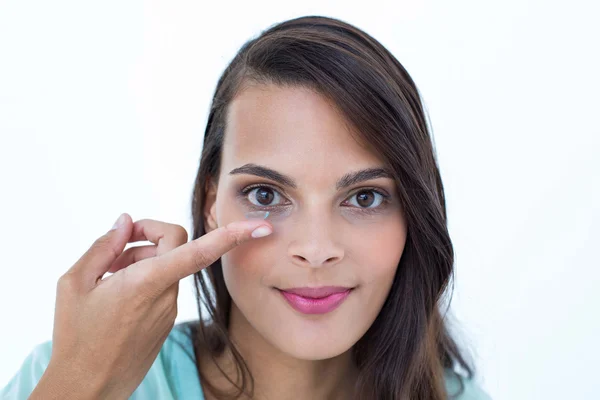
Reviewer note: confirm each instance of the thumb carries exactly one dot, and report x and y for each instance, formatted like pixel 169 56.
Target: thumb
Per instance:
pixel 104 251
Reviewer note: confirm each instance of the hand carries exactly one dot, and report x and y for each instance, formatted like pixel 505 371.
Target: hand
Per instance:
pixel 108 332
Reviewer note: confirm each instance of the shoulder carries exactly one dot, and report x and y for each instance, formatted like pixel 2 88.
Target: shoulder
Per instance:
pixel 29 373
pixel 173 374
pixel 463 388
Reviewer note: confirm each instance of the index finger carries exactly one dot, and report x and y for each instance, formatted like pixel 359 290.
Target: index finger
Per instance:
pixel 189 258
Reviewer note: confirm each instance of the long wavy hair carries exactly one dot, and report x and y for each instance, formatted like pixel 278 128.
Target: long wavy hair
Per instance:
pixel 408 349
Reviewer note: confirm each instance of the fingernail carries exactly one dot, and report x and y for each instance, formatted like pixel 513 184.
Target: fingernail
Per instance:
pixel 261 231
pixel 119 222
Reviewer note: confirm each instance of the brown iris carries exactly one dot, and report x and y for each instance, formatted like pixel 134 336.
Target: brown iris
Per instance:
pixel 365 198
pixel 264 196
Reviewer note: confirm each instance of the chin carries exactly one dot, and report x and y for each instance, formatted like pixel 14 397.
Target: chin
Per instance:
pixel 315 354
pixel 310 348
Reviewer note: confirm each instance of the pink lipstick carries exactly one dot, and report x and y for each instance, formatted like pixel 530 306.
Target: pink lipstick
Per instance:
pixel 319 300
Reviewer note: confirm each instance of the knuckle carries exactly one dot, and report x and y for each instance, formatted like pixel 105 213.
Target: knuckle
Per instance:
pixel 67 282
pixel 234 236
pixel 130 254
pixel 202 258
pixel 180 234
pixel 144 285
pixel 135 280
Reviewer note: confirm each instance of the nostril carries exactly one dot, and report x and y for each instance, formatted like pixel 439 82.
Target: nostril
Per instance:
pixel 301 258
pixel 304 260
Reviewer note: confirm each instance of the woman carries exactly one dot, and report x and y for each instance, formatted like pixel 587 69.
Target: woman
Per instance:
pixel 337 295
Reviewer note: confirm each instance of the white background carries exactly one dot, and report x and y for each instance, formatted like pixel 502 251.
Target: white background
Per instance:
pixel 103 106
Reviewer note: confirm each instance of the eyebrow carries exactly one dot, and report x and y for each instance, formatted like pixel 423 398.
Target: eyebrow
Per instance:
pixel 348 179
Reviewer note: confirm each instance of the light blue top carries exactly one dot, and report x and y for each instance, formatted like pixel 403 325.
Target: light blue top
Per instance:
pixel 172 376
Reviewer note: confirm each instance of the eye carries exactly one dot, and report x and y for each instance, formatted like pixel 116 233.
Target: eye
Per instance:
pixel 262 196
pixel 368 198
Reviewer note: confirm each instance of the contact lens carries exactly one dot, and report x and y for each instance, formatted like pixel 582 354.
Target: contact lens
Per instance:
pixel 257 214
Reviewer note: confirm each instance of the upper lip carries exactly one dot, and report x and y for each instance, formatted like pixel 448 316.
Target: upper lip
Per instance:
pixel 317 292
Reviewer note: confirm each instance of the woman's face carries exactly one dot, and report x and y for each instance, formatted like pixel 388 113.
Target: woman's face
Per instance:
pixel 328 230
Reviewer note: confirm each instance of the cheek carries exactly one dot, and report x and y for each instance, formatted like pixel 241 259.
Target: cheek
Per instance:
pixel 245 269
pixel 249 268
pixel 376 250
pixel 376 253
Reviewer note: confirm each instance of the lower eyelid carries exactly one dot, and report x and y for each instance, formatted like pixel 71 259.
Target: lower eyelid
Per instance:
pixel 385 197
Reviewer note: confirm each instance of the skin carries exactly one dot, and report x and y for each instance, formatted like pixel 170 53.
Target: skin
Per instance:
pixel 322 237
pixel 130 312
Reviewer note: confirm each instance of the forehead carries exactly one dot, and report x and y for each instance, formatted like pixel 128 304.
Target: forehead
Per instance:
pixel 293 129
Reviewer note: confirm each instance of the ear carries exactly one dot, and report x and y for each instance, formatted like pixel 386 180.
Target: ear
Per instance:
pixel 210 205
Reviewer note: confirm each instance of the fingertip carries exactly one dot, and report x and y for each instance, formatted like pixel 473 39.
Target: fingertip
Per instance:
pixel 123 221
pixel 122 230
pixel 249 229
pixel 262 231
pixel 118 223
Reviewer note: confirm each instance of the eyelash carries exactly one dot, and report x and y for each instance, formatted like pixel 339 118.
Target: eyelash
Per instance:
pixel 385 198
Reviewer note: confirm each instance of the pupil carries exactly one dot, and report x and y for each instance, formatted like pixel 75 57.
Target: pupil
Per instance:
pixel 264 194
pixel 363 199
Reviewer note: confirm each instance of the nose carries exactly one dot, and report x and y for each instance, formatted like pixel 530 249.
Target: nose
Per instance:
pixel 315 244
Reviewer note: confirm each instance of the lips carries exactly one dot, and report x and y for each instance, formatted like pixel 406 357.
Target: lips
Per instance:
pixel 316 300
pixel 317 292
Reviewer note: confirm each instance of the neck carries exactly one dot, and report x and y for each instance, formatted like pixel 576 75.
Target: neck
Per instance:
pixel 278 375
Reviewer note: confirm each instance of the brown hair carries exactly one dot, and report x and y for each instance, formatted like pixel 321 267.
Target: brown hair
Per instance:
pixel 408 349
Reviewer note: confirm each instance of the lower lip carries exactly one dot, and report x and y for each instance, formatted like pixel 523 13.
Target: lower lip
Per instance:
pixel 308 305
